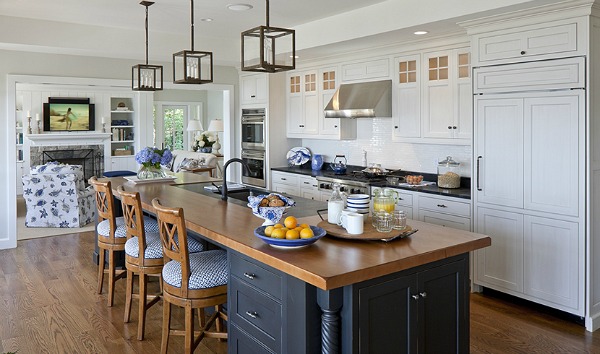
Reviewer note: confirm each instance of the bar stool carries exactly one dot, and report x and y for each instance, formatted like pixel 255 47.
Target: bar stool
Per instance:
pixel 140 242
pixel 191 281
pixel 112 234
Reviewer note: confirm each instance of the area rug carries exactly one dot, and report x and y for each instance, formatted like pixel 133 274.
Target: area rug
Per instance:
pixel 25 233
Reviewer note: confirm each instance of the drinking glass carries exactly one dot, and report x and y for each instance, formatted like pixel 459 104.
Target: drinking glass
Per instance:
pixel 384 222
pixel 399 220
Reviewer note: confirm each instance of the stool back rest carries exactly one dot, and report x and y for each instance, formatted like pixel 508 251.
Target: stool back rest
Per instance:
pixel 173 236
pixel 133 216
pixel 105 204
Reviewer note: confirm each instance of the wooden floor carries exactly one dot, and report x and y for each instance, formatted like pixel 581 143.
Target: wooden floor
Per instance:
pixel 48 304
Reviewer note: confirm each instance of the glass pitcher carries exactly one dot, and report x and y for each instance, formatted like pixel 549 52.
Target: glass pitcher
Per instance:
pixel 384 199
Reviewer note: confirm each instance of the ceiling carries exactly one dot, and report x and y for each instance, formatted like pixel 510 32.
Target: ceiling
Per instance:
pixel 115 28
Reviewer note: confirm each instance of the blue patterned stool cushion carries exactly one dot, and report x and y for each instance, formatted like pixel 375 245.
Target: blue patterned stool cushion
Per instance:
pixel 208 269
pixel 153 247
pixel 151 226
pixel 120 173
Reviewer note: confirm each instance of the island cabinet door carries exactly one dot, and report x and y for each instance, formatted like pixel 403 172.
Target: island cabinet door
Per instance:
pixel 444 309
pixel 387 316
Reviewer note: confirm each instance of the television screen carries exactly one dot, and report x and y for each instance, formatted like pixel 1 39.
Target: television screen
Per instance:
pixel 68 116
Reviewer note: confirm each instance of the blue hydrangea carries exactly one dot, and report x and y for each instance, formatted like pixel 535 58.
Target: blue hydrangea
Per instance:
pixel 152 156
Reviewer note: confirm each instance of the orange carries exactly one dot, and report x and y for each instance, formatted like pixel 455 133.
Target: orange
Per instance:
pixel 290 222
pixel 298 228
pixel 268 230
pixel 278 226
pixel 304 226
pixel 307 232
pixel 278 233
pixel 292 234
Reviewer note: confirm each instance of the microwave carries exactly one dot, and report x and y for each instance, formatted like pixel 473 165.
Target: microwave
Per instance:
pixel 253 129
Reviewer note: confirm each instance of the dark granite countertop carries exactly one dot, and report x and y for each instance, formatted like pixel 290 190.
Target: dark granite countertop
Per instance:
pixel 463 192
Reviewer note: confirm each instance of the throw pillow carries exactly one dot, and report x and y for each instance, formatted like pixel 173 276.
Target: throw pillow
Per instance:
pixel 189 163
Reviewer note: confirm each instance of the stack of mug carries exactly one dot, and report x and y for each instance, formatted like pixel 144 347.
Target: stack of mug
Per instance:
pixel 353 217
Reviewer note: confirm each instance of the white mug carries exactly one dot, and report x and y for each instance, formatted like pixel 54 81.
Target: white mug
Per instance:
pixel 352 222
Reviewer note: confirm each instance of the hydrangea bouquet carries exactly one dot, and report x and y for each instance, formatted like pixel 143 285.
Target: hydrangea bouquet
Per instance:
pixel 151 158
pixel 204 141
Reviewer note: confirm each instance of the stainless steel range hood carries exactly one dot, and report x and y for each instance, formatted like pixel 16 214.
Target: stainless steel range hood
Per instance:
pixel 361 100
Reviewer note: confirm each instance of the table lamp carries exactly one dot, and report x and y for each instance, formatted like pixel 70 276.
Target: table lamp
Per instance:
pixel 216 125
pixel 194 125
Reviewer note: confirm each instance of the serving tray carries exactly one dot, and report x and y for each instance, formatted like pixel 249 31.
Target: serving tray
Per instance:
pixel 136 180
pixel 369 233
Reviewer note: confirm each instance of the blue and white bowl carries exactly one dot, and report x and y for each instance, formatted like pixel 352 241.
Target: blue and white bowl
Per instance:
pixel 358 197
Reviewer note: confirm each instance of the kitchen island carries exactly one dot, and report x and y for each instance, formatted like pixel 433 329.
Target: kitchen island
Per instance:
pixel 336 295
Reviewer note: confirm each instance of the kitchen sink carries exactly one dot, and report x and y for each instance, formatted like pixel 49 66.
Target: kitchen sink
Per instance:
pixel 243 194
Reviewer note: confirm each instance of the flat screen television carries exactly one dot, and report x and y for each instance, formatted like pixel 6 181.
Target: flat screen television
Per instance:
pixel 69 114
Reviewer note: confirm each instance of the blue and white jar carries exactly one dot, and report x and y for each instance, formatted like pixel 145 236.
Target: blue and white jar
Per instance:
pixel 317 162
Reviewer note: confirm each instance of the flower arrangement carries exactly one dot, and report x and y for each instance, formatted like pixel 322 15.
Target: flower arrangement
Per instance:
pixel 204 140
pixel 153 157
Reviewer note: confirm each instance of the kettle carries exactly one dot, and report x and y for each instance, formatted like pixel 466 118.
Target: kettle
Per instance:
pixel 339 165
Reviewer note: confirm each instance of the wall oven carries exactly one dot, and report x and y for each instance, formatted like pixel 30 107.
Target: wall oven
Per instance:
pixel 256 163
pixel 253 129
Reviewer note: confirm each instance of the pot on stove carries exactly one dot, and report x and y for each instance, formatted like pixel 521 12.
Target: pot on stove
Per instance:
pixel 339 165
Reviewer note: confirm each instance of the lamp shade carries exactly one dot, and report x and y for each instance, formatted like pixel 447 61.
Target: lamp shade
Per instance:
pixel 216 125
pixel 194 125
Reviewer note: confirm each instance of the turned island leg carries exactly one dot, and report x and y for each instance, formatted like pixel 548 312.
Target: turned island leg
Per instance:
pixel 331 303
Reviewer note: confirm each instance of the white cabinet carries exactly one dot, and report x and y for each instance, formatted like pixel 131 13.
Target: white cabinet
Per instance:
pixel 332 128
pixel 123 163
pixel 445 211
pixel 365 70
pixel 303 105
pixel 295 185
pixel 407 116
pixel 254 89
pixel 447 95
pixel 527 43
pixel 526 146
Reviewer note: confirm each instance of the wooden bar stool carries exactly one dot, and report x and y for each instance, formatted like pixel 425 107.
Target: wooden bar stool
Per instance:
pixel 112 234
pixel 191 281
pixel 151 263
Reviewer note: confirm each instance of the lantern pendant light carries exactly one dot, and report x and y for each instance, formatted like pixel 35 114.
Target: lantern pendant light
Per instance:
pixel 146 77
pixel 191 66
pixel 268 49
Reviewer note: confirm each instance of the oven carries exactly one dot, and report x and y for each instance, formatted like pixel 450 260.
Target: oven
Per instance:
pixel 256 164
pixel 253 129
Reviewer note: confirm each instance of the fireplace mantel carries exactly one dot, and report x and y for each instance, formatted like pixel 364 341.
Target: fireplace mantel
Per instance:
pixel 62 137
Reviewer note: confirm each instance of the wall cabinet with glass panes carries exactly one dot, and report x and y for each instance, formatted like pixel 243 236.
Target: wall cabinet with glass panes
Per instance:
pixel 433 97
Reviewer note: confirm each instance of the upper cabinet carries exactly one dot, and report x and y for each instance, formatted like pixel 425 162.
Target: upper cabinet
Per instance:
pixel 433 99
pixel 447 95
pixel 254 89
pixel 308 93
pixel 532 42
pixel 366 70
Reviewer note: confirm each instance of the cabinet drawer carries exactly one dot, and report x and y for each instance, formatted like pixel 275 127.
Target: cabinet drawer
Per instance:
pixel 307 182
pixel 452 221
pixel 284 178
pixel 445 206
pixel 405 199
pixel 255 275
pixel 240 342
pixel 528 43
pixel 541 75
pixel 255 313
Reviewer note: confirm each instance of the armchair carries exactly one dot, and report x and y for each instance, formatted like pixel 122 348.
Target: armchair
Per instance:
pixel 56 196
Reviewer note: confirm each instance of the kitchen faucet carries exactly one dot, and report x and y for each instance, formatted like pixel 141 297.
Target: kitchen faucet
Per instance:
pixel 224 186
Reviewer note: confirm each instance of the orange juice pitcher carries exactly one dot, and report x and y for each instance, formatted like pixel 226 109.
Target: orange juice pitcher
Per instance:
pixel 384 200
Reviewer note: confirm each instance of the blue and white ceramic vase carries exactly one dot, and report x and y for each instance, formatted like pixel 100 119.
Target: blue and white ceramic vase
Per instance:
pixel 206 149
pixel 316 162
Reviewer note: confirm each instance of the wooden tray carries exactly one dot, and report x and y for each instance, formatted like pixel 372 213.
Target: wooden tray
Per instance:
pixel 369 233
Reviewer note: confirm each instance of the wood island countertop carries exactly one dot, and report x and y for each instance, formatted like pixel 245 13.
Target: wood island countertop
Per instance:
pixel 327 264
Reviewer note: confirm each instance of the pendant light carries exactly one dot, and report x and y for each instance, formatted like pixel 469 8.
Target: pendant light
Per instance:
pixel 268 49
pixel 146 77
pixel 191 66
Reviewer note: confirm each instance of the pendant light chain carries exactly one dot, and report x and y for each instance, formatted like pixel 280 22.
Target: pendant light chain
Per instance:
pixel 267 13
pixel 146 34
pixel 192 22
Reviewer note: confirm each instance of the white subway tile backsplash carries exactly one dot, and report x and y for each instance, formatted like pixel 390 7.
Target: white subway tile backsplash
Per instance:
pixel 375 137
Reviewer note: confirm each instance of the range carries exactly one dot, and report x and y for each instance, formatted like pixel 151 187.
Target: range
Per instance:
pixel 352 183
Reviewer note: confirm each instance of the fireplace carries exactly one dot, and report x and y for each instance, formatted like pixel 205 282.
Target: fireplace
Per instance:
pixel 91 157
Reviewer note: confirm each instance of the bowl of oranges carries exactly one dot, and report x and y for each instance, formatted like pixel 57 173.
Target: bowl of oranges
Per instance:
pixel 289 234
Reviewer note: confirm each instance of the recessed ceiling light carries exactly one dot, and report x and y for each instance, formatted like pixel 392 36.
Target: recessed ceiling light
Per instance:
pixel 206 19
pixel 239 7
pixel 420 33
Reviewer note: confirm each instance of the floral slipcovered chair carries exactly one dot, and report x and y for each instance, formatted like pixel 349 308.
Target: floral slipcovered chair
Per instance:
pixel 56 196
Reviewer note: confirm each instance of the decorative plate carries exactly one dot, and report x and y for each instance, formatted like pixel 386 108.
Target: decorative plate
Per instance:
pixel 298 156
pixel 286 244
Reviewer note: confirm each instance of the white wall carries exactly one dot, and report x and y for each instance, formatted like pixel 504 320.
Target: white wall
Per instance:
pixel 375 136
pixel 26 63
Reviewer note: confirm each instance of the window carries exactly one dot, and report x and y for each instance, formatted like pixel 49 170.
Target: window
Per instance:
pixel 438 68
pixel 407 71
pixel 173 126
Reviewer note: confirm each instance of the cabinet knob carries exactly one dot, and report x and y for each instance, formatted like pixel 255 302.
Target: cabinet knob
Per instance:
pixel 252 96
pixel 416 297
pixel 449 127
pixel 441 206
pixel 423 294
pixel 252 314
pixel 335 126
pixel 250 276
pixel 454 127
pixel 395 127
pixel 283 179
pixel 522 52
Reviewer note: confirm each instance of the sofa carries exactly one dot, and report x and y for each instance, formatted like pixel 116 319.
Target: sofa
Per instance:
pixel 191 159
pixel 56 196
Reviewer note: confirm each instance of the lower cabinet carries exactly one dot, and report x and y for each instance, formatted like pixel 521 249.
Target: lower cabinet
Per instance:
pixel 295 185
pixel 445 211
pixel 425 311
